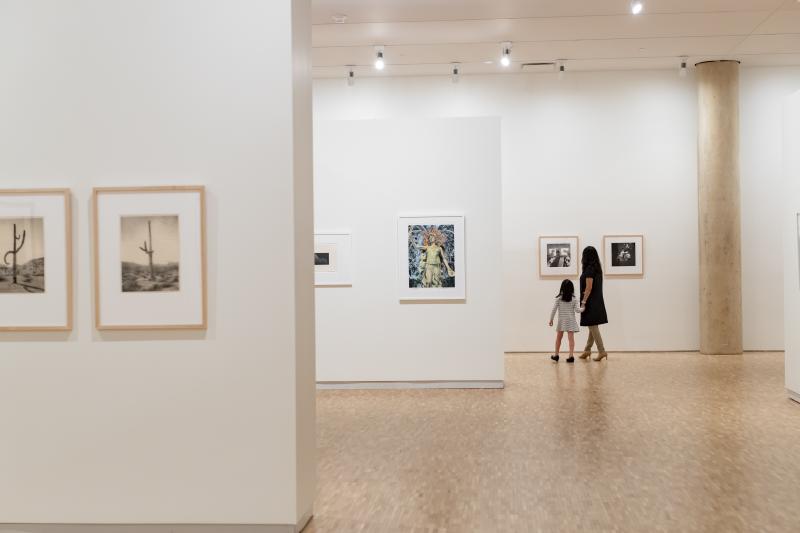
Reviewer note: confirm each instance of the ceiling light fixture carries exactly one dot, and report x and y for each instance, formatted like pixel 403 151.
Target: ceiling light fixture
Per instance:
pixel 339 19
pixel 505 60
pixel 562 69
pixel 351 76
pixel 637 7
pixel 379 62
pixel 456 72
pixel 682 71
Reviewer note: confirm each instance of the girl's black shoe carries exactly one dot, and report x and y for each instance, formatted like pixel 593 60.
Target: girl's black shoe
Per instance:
pixel 554 358
pixel 570 359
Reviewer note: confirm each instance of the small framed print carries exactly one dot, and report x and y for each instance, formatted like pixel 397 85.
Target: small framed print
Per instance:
pixel 150 258
pixel 35 260
pixel 798 244
pixel 559 257
pixel 624 255
pixel 431 258
pixel 332 259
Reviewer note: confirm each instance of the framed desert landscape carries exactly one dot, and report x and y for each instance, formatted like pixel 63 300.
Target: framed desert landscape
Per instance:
pixel 35 260
pixel 431 258
pixel 150 258
pixel 333 259
pixel 559 257
pixel 624 255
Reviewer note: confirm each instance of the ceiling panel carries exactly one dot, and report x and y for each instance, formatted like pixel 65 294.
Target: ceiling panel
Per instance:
pixel 783 21
pixel 739 23
pixel 426 36
pixel 440 10
pixel 770 44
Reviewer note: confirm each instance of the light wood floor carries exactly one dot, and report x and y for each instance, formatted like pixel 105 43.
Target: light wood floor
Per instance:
pixel 643 442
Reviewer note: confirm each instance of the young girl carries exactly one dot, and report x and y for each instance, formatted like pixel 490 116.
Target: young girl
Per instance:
pixel 567 305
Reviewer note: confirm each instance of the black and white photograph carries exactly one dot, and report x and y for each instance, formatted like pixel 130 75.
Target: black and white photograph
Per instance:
pixel 332 259
pixel 150 253
pixel 623 254
pixel 22 255
pixel 559 255
pixel 322 258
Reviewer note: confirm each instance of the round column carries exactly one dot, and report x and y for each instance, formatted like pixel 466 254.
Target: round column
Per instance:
pixel 719 207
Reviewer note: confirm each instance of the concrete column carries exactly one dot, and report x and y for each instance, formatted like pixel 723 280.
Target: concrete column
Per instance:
pixel 719 204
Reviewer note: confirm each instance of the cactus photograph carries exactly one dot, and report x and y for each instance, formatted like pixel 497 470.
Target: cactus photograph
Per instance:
pixel 150 253
pixel 22 255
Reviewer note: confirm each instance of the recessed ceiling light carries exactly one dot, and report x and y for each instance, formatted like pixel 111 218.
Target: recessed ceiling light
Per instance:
pixel 379 61
pixel 505 59
pixel 637 7
pixel 339 19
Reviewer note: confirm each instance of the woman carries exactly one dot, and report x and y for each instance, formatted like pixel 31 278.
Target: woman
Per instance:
pixel 592 299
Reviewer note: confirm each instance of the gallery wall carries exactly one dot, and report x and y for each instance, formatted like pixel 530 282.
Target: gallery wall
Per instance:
pixel 791 225
pixel 366 173
pixel 606 153
pixel 166 427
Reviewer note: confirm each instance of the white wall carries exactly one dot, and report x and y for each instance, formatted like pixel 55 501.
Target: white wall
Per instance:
pixel 166 427
pixel 365 174
pixel 606 153
pixel 791 246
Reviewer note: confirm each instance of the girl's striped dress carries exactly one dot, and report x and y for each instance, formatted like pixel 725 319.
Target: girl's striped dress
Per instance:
pixel 566 314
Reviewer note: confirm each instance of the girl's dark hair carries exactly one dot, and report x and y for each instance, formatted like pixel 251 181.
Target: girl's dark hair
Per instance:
pixel 567 290
pixel 591 260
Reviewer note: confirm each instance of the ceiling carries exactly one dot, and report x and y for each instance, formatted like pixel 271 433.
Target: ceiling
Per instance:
pixel 425 37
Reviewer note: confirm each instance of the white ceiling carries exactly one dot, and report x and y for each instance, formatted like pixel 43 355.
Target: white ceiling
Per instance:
pixel 424 37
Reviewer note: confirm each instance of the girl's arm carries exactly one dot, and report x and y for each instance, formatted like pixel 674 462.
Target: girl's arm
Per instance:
pixel 588 291
pixel 553 313
pixel 578 308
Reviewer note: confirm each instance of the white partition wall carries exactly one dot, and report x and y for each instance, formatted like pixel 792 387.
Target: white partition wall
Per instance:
pixel 791 225
pixel 167 427
pixel 366 174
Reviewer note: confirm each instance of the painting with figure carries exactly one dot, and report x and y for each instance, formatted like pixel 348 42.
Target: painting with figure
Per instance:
pixel 431 256
pixel 22 255
pixel 623 254
pixel 150 253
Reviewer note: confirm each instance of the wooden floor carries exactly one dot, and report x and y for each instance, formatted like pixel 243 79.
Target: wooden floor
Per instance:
pixel 642 442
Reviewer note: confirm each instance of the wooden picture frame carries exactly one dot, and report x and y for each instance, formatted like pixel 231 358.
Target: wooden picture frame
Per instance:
pixel 64 291
pixel 546 270
pixel 637 253
pixel 199 281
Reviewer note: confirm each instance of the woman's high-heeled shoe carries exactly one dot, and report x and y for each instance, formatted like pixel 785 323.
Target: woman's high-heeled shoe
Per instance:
pixel 585 355
pixel 600 357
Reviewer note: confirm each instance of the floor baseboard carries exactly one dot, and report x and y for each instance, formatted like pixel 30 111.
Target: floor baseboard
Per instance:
pixel 147 528
pixel 389 385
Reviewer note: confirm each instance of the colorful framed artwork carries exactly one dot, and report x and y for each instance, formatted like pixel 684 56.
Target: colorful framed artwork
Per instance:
pixel 431 258
pixel 624 255
pixel 150 258
pixel 35 260
pixel 559 257
pixel 332 259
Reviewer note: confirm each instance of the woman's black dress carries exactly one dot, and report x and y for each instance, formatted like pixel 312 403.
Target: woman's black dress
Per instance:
pixel 595 313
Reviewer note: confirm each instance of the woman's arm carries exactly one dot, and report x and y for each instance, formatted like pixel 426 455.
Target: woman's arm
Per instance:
pixel 578 307
pixel 588 291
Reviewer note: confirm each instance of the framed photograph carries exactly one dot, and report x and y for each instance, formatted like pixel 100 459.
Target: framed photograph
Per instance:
pixel 332 259
pixel 559 257
pixel 431 258
pixel 624 255
pixel 35 260
pixel 150 258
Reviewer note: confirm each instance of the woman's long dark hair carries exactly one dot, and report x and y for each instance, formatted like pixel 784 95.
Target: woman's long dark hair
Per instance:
pixel 591 260
pixel 566 291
